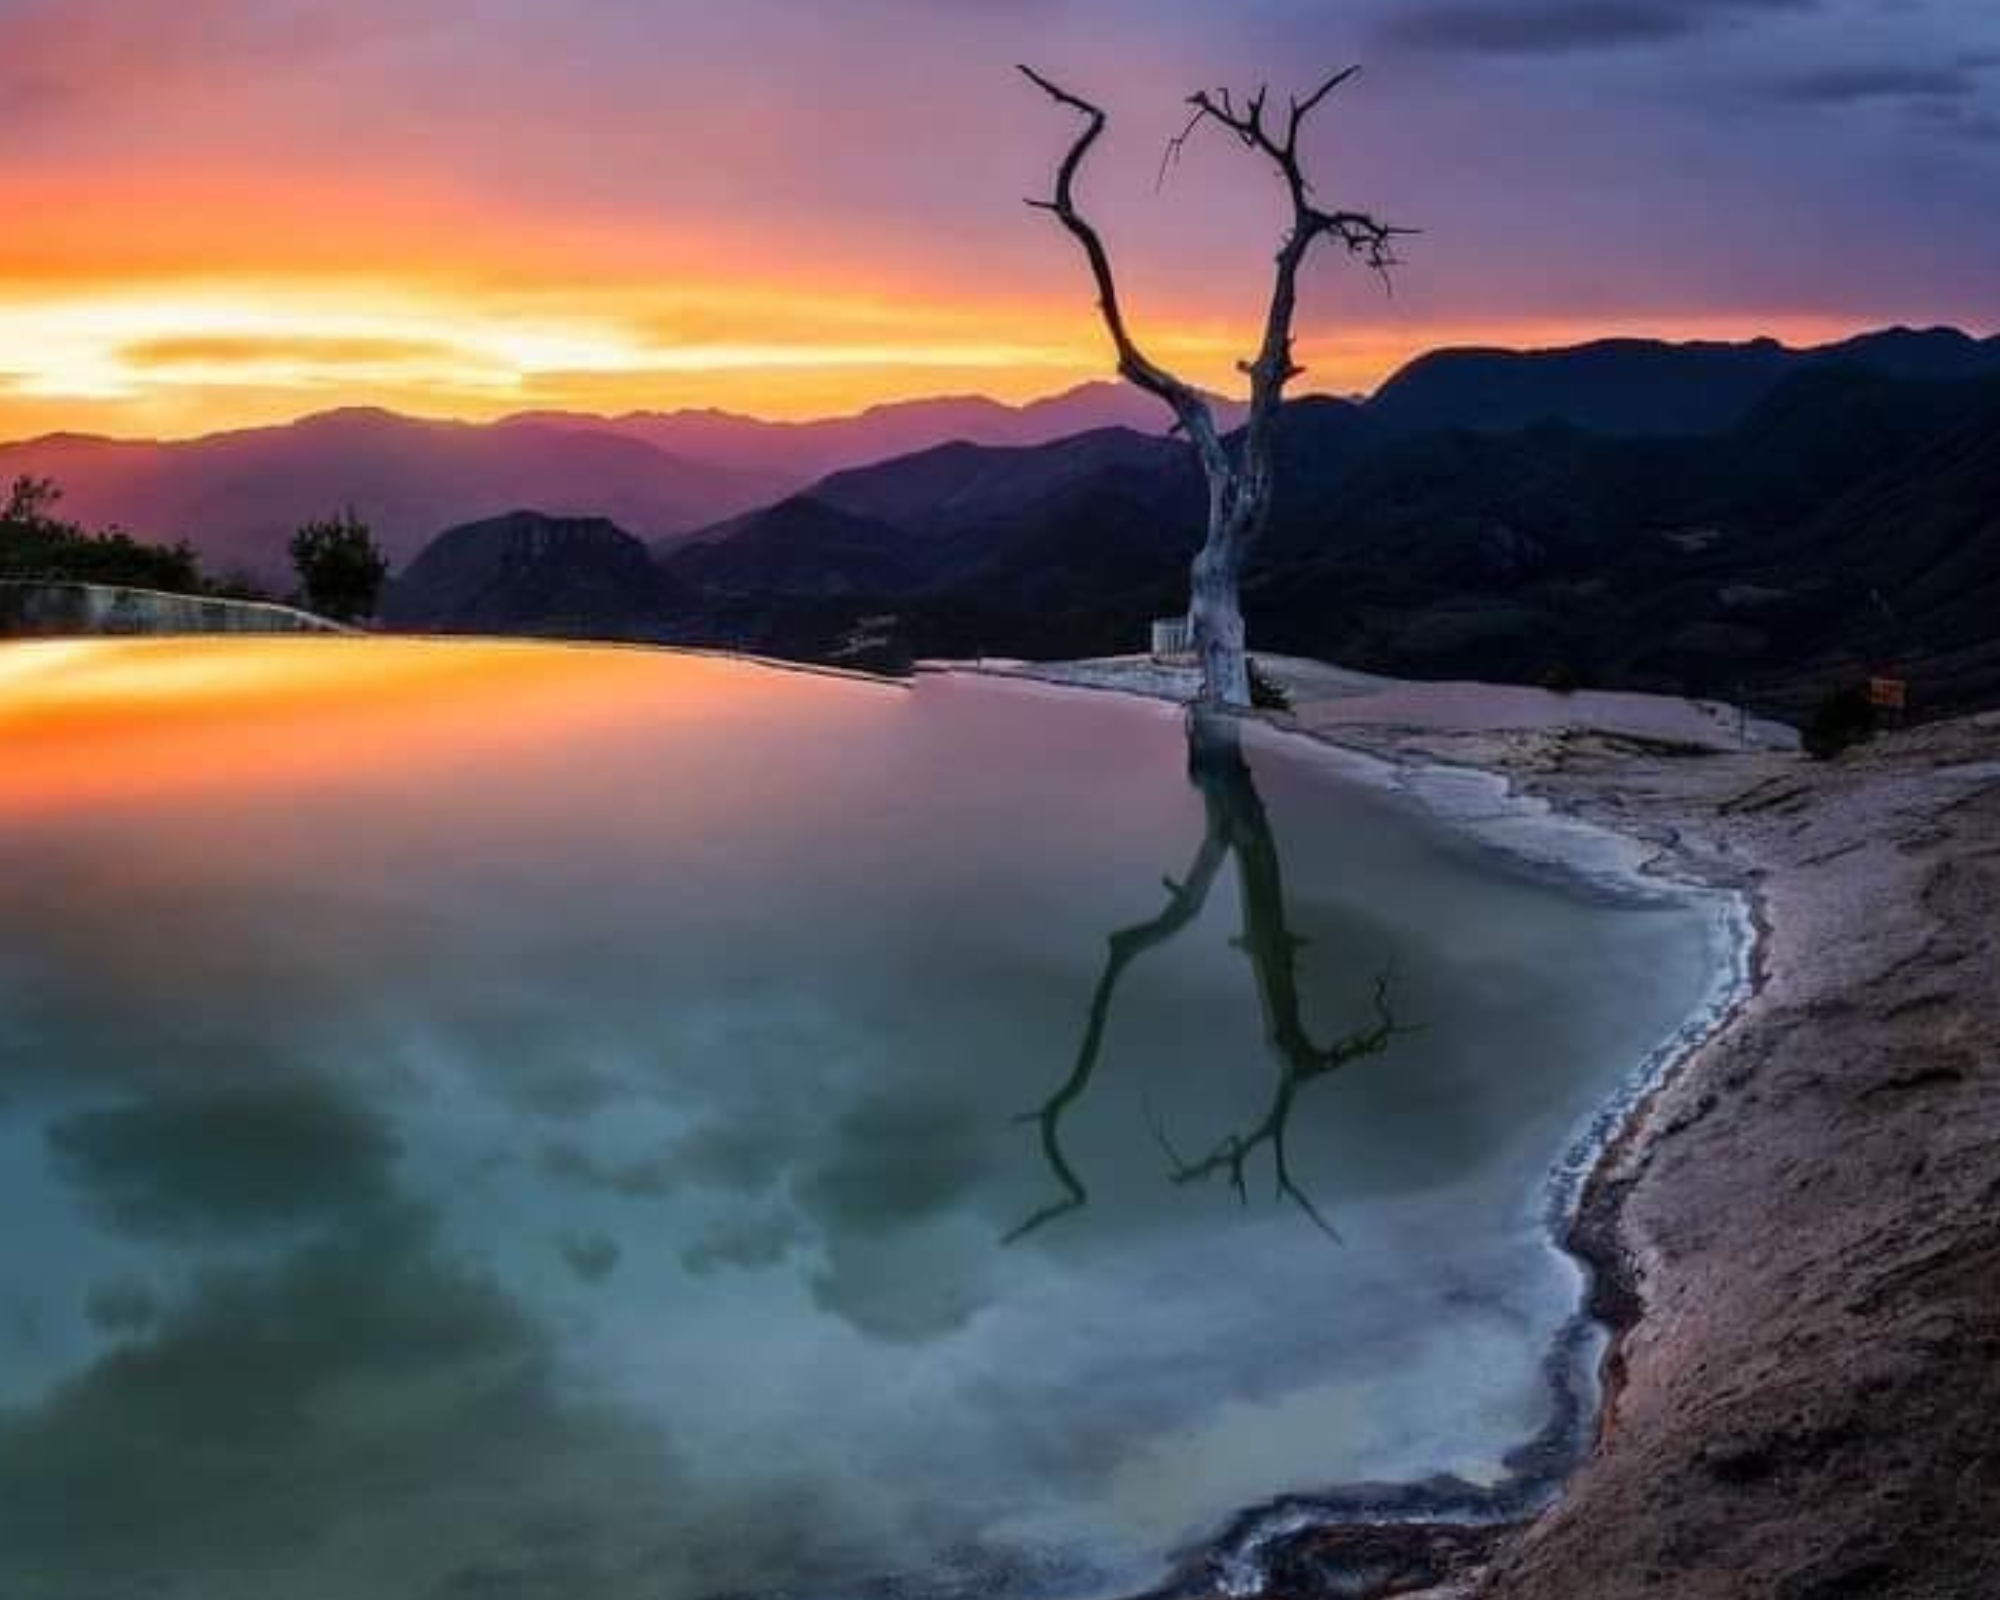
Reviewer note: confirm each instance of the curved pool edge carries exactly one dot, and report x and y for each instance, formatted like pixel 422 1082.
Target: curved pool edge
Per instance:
pixel 1434 1538
pixel 1377 1541
pixel 1404 1529
pixel 664 647
pixel 341 634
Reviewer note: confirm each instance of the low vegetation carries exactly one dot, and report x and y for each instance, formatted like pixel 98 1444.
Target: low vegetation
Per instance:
pixel 1266 693
pixel 341 569
pixel 36 543
pixel 1842 719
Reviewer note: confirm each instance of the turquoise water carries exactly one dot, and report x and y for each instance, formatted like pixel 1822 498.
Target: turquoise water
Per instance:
pixel 490 1120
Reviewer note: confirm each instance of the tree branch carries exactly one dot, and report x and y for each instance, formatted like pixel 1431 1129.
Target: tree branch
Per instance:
pixel 1301 109
pixel 1359 233
pixel 1184 903
pixel 1303 1063
pixel 1189 407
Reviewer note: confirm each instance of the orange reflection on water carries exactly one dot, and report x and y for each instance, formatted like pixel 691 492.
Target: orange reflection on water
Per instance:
pixel 100 722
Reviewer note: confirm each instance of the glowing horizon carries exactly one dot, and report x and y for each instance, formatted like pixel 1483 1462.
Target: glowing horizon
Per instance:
pixel 237 212
pixel 186 361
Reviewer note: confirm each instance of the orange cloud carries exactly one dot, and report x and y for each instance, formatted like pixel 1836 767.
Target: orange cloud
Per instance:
pixel 234 280
pixel 172 357
pixel 301 350
pixel 230 211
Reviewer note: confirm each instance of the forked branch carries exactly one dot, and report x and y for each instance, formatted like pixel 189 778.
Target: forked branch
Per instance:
pixel 1303 1063
pixel 1189 408
pixel 1252 123
pixel 1185 900
pixel 1359 233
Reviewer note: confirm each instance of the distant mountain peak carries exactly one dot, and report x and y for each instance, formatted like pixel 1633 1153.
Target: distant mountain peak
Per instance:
pixel 529 572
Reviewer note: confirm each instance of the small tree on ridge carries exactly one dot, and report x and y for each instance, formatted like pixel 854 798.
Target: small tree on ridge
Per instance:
pixel 340 567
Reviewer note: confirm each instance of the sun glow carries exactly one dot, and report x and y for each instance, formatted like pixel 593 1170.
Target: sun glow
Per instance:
pixel 177 358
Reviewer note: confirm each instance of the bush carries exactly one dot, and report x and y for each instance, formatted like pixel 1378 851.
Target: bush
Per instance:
pixel 340 569
pixel 1266 693
pixel 1842 718
pixel 36 543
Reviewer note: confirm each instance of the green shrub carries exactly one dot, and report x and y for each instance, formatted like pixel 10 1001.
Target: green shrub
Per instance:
pixel 1266 693
pixel 1843 717
pixel 341 571
pixel 36 543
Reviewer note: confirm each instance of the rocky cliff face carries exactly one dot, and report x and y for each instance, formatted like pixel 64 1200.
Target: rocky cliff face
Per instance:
pixel 527 573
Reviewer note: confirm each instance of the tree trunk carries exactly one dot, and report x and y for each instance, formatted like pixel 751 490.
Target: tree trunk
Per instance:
pixel 1215 609
pixel 1215 621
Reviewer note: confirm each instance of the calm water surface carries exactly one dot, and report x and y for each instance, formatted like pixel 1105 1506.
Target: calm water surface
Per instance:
pixel 497 1120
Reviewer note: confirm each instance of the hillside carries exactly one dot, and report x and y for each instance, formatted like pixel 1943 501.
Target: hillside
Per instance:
pixel 1648 386
pixel 532 574
pixel 1840 518
pixel 1064 523
pixel 236 497
pixel 799 453
pixel 1847 521
pixel 802 546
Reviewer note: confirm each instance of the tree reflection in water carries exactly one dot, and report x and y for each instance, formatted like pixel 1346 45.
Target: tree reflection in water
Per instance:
pixel 1236 827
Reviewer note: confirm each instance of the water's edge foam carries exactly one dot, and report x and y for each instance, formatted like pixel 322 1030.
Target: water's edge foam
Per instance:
pixel 1242 1560
pixel 1245 1557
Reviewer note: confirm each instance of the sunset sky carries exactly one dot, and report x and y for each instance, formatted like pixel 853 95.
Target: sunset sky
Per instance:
pixel 220 212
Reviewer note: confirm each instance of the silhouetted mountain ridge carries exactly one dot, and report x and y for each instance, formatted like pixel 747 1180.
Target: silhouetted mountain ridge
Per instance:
pixel 237 497
pixel 1648 386
pixel 1623 534
pixel 526 572
pixel 800 453
pixel 1848 520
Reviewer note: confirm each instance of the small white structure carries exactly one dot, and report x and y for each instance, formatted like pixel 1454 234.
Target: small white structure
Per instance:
pixel 1173 639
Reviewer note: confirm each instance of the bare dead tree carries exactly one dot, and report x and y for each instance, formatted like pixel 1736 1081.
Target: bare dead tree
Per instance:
pixel 1238 470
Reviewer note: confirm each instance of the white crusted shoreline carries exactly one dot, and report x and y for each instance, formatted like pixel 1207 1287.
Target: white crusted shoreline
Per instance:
pixel 1795 1228
pixel 1385 728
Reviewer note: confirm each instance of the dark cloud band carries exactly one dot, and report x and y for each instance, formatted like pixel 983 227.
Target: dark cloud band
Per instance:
pixel 1563 27
pixel 1845 85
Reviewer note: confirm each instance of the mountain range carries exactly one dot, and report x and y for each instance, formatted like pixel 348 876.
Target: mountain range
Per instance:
pixel 798 453
pixel 1644 386
pixel 1848 520
pixel 1707 518
pixel 237 497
